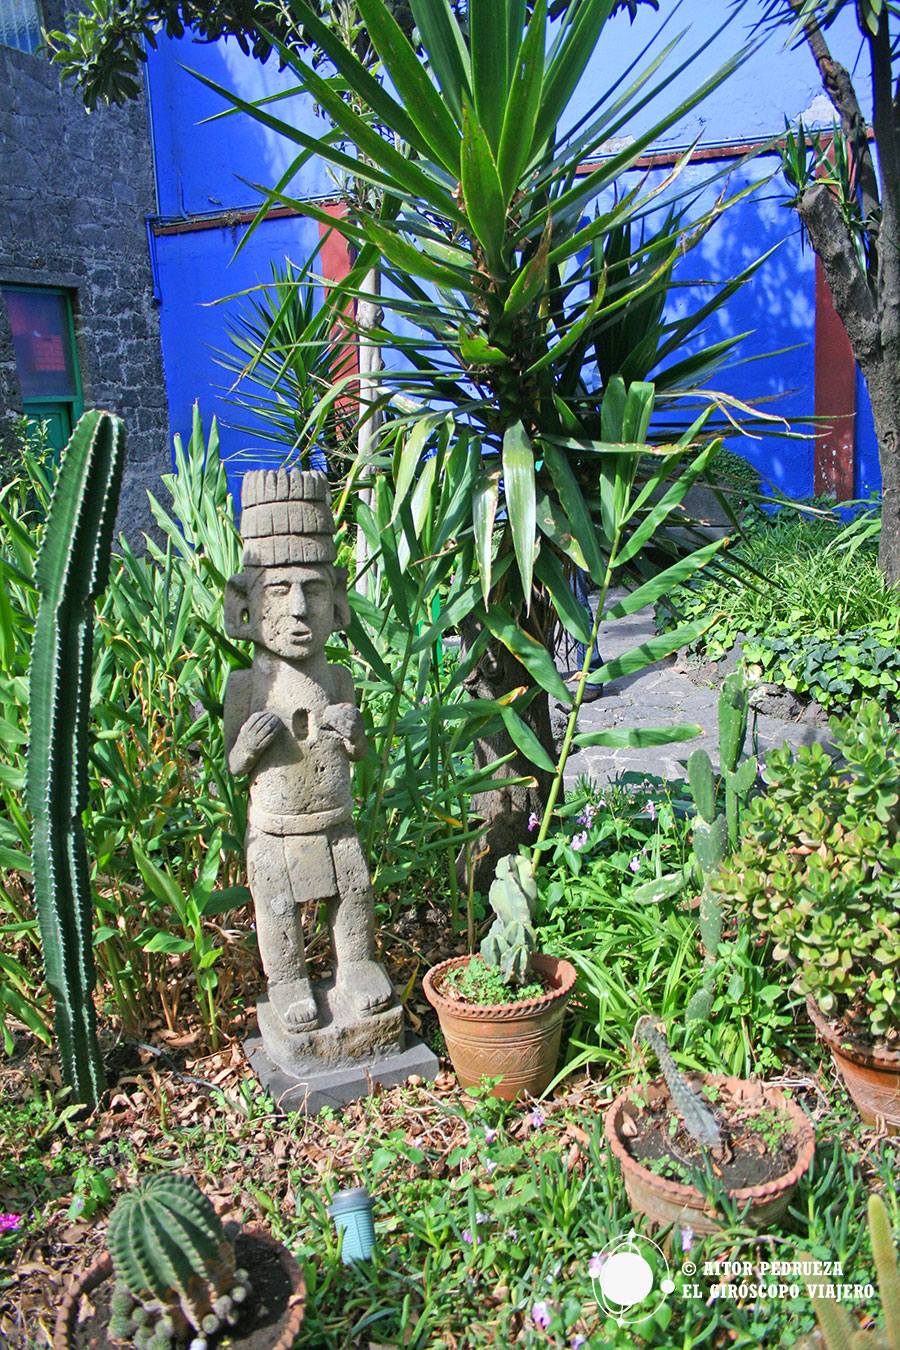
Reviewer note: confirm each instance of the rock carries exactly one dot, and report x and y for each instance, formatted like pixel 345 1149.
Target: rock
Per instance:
pixel 773 701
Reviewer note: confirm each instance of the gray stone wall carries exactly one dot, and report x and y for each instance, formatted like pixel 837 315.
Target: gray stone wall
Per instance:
pixel 74 191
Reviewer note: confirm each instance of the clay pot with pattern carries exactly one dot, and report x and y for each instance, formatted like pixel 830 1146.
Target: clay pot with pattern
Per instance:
pixel 515 1042
pixel 870 1072
pixel 272 1321
pixel 666 1201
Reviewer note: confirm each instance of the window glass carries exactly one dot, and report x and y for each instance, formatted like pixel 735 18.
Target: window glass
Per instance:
pixel 42 339
pixel 20 24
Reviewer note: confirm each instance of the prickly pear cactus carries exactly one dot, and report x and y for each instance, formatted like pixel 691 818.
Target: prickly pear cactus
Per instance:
pixel 715 832
pixel 71 571
pixel 698 1120
pixel 510 939
pixel 174 1266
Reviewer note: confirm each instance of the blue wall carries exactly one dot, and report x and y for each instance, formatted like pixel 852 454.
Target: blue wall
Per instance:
pixel 208 167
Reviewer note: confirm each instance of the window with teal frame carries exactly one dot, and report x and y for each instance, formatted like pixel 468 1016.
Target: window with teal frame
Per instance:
pixel 20 24
pixel 43 335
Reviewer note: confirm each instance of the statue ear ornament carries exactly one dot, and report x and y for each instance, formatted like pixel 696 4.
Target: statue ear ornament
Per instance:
pixel 236 610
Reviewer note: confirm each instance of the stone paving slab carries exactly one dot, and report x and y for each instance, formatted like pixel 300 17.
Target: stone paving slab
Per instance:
pixel 657 696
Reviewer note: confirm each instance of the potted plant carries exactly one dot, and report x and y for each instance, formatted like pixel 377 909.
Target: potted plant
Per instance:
pixel 819 870
pixel 173 1278
pixel 501 1011
pixel 749 1137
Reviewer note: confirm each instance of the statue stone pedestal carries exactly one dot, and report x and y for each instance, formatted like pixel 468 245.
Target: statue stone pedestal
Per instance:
pixel 325 1075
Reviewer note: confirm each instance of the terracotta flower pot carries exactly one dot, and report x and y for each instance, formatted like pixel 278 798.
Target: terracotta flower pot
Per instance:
pixel 278 1333
pixel 516 1042
pixel 668 1201
pixel 871 1073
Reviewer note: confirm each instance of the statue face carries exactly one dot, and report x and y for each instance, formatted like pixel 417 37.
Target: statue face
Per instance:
pixel 295 615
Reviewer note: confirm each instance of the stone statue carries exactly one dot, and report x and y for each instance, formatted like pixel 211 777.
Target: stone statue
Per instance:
pixel 292 725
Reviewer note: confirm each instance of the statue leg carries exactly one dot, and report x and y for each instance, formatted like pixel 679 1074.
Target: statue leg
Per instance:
pixel 279 931
pixel 363 983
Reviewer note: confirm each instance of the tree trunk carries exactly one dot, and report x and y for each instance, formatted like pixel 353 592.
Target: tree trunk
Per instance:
pixel 506 811
pixel 883 382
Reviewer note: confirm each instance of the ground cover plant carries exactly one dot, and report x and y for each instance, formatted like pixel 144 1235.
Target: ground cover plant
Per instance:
pixel 815 616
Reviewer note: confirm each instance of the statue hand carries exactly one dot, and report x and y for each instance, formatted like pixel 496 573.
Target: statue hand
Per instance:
pixel 346 720
pixel 259 730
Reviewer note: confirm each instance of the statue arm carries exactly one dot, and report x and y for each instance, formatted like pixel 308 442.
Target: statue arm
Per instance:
pixel 246 734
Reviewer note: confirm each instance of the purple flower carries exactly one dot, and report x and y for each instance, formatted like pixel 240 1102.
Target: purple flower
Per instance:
pixel 512 1234
pixel 541 1315
pixel 687 1238
pixel 534 820
pixel 578 1341
pixel 760 768
pixel 482 1218
pixel 580 840
pixel 595 1265
pixel 467 1236
pixel 634 864
pixel 536 1119
pixel 9 1222
pixel 490 1166
pixel 651 809
pixel 490 1134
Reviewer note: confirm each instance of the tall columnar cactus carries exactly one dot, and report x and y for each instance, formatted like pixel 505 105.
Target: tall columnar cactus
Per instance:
pixel 839 1328
pixel 72 569
pixel 174 1266
pixel 510 939
pixel 716 832
pixel 698 1119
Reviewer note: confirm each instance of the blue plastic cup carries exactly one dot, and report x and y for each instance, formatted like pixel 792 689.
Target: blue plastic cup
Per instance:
pixel 352 1212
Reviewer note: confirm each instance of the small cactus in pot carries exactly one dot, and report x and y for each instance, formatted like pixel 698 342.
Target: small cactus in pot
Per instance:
pixel 511 938
pixel 174 1265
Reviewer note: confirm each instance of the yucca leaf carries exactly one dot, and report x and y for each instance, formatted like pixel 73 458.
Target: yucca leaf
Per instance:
pixel 517 138
pixel 482 195
pixel 485 496
pixel 519 489
pixel 448 54
pixel 489 47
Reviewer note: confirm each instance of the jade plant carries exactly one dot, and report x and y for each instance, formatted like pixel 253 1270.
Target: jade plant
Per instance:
pixel 819 869
pixel 175 1272
pixel 698 1119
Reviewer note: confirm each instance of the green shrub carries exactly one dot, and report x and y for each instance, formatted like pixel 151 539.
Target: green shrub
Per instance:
pixel 819 869
pixel 819 618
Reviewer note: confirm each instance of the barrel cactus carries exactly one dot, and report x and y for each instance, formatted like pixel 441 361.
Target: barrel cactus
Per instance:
pixel 174 1265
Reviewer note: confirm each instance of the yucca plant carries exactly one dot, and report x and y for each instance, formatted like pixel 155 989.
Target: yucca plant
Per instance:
pixel 526 288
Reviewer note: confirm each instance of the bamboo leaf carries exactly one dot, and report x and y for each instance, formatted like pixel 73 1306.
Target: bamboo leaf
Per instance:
pixel 532 654
pixel 573 616
pixel 552 522
pixel 575 507
pixel 639 738
pixel 663 582
pixel 648 652
pixel 524 739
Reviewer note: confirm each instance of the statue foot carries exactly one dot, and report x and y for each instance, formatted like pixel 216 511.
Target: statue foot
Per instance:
pixel 294 1003
pixel 365 986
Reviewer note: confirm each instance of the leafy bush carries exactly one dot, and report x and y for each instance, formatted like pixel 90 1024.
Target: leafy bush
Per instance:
pixel 831 668
pixel 819 869
pixel 822 620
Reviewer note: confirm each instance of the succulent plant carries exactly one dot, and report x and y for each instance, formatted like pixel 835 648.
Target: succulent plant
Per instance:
pixel 510 939
pixel 819 869
pixel 174 1267
pixel 698 1120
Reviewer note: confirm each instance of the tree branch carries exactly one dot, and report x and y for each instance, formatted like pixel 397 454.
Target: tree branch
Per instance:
pixel 838 86
pixel 853 299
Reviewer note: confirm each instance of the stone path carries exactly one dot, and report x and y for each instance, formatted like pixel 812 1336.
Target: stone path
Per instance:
pixel 662 695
